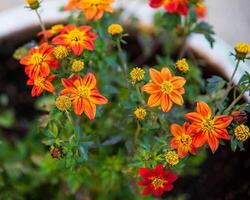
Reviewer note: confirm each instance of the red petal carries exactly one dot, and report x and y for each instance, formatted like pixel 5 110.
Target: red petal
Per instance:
pixel 199 140
pixel 213 143
pixel 194 117
pixel 89 80
pixel 222 121
pixel 145 172
pixel 156 3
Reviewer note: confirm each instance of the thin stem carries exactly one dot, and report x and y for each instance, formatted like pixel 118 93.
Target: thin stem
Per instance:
pixel 140 95
pixel 237 99
pixel 137 132
pixel 41 24
pixel 122 59
pixel 229 85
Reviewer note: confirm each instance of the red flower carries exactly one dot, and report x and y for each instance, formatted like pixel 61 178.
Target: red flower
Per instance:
pixel 40 84
pixel 76 38
pixel 171 6
pixel 156 181
pixel 206 128
pixel 201 10
pixel 39 61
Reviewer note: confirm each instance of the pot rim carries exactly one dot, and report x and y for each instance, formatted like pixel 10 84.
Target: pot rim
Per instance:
pixel 218 56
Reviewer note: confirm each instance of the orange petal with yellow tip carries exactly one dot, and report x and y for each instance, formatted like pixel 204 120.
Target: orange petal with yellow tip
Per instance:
pixel 78 106
pixel 155 76
pixel 154 100
pixel 203 109
pixel 221 133
pixel 97 98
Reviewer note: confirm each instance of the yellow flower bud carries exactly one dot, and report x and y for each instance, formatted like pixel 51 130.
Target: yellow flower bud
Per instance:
pixel 33 4
pixel 63 103
pixel 115 29
pixel 60 52
pixel 140 113
pixel 77 66
pixel 137 74
pixel 172 158
pixel 182 65
pixel 242 132
pixel 242 49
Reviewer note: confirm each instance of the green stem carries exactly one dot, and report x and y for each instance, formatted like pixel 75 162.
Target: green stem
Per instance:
pixel 140 95
pixel 237 99
pixel 137 132
pixel 122 59
pixel 41 24
pixel 229 85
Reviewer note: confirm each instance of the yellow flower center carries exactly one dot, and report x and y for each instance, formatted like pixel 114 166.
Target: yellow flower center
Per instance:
pixel 207 125
pixel 39 81
pixel 83 91
pixel 167 87
pixel 172 158
pixel 186 140
pixel 158 182
pixel 37 59
pixel 76 35
pixel 96 2
pixel 242 132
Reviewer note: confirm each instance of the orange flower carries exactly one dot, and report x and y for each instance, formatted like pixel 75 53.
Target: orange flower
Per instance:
pixel 39 61
pixel 171 6
pixel 164 89
pixel 207 129
pixel 201 10
pixel 92 9
pixel 76 38
pixel 182 140
pixel 84 93
pixel 40 84
pixel 54 30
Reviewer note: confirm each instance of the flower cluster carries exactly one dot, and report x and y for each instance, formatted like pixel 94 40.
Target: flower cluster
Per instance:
pixel 47 60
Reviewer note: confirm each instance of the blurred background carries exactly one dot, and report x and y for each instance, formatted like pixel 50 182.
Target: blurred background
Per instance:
pixel 230 18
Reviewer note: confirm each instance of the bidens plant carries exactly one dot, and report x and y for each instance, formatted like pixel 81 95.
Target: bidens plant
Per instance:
pixel 107 118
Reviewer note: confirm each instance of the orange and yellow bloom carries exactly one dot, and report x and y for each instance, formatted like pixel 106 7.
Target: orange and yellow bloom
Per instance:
pixel 171 6
pixel 84 94
pixel 76 38
pixel 40 61
pixel 92 9
pixel 53 31
pixel 41 84
pixel 207 129
pixel 182 140
pixel 201 10
pixel 165 89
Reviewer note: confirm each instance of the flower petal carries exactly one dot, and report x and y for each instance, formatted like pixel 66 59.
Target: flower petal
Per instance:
pixel 155 3
pixel 222 121
pixel 166 74
pixel 89 80
pixel 176 130
pixel 194 117
pixel 97 98
pixel 89 109
pixel 145 172
pixel 178 82
pixel 176 98
pixel 213 143
pixel 155 76
pixel 154 100
pixel 166 103
pixel 78 105
pixel 151 88
pixel 203 109
pixel 199 140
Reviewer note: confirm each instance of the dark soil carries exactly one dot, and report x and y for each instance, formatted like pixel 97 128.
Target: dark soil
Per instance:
pixel 224 176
